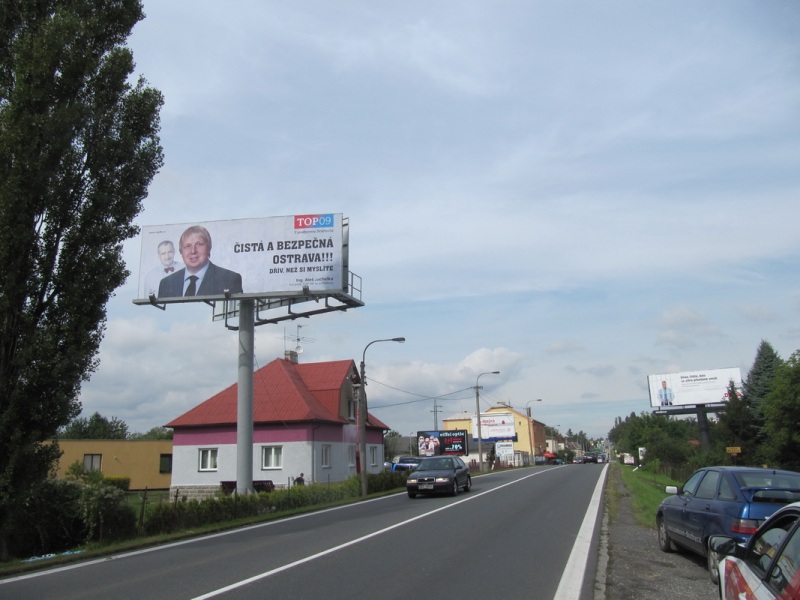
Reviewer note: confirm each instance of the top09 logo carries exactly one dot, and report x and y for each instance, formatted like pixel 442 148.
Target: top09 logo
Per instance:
pixel 313 221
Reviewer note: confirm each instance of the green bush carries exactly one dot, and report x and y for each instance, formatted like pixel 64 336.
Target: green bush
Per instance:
pixel 52 520
pixel 386 481
pixel 123 483
pixel 169 517
pixel 175 516
pixel 106 513
pixel 63 514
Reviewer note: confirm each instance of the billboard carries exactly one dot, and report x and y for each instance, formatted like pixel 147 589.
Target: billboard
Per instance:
pixel 252 257
pixel 447 443
pixel 690 388
pixel 495 427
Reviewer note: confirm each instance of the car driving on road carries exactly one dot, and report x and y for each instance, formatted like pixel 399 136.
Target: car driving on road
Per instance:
pixel 439 475
pixel 730 501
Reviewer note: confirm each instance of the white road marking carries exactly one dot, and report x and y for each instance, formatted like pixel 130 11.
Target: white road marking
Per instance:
pixel 569 588
pixel 312 557
pixel 573 575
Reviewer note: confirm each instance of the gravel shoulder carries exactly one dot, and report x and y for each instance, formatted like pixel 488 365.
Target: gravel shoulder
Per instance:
pixel 636 569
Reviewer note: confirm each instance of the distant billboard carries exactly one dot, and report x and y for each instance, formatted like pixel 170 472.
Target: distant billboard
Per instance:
pixel 495 427
pixel 252 257
pixel 691 388
pixel 448 443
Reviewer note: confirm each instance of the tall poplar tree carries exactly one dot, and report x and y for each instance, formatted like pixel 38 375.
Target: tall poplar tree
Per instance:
pixel 79 147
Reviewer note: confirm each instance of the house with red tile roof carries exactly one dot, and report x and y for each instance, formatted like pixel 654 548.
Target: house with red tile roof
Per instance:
pixel 304 422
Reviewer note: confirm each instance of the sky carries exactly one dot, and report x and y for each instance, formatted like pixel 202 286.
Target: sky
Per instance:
pixel 576 194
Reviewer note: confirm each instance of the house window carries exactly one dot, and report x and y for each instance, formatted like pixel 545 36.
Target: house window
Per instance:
pixel 326 455
pixel 351 455
pixel 352 402
pixel 208 459
pixel 373 455
pixel 271 457
pixel 92 462
pixel 165 463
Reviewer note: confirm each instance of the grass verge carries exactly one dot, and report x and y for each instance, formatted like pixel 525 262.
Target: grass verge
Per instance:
pixel 646 490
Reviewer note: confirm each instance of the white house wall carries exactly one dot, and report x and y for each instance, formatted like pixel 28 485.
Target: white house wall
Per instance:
pixel 296 459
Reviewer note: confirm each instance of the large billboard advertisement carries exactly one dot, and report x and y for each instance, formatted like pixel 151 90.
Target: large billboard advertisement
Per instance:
pixel 495 427
pixel 272 255
pixel 436 443
pixel 690 388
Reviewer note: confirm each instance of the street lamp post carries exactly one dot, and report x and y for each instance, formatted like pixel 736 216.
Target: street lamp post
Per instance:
pixel 478 416
pixel 362 415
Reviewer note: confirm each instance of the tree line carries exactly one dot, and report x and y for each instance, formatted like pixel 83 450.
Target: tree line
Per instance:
pixel 98 427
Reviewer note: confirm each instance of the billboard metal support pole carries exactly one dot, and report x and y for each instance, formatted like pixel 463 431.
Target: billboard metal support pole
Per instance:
pixel 244 412
pixel 705 434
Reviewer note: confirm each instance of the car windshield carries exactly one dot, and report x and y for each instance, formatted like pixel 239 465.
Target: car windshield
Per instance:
pixel 435 464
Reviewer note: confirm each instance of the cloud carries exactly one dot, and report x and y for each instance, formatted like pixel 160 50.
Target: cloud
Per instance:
pixel 570 194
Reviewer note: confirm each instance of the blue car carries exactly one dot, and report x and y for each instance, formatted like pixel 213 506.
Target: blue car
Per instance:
pixel 730 501
pixel 403 463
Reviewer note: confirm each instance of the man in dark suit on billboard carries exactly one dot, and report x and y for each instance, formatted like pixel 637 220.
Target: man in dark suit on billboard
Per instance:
pixel 200 277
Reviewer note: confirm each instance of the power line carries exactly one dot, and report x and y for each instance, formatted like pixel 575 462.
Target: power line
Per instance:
pixel 421 397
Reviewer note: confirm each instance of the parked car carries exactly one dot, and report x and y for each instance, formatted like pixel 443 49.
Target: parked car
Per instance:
pixel 589 457
pixel 403 463
pixel 439 475
pixel 768 567
pixel 730 501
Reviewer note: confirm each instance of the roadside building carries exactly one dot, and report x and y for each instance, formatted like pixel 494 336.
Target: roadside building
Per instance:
pixel 304 421
pixel 147 463
pixel 506 433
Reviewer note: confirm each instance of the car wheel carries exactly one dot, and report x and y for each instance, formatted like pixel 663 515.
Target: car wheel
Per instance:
pixel 411 494
pixel 664 541
pixel 454 491
pixel 468 485
pixel 713 559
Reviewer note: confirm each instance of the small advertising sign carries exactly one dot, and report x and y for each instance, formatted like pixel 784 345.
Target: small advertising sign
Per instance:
pixel 495 427
pixel 435 443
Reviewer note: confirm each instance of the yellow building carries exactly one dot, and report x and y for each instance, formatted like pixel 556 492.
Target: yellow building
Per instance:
pixel 530 434
pixel 148 463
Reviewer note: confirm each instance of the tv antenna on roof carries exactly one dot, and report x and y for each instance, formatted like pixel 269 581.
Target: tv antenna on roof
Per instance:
pixel 297 339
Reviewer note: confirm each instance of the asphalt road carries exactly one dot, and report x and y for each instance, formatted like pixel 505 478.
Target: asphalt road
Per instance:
pixel 514 536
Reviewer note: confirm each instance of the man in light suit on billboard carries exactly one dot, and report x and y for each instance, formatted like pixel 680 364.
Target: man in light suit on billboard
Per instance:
pixel 200 277
pixel 665 395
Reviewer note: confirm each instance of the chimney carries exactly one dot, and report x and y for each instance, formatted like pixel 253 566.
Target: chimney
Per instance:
pixel 290 355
